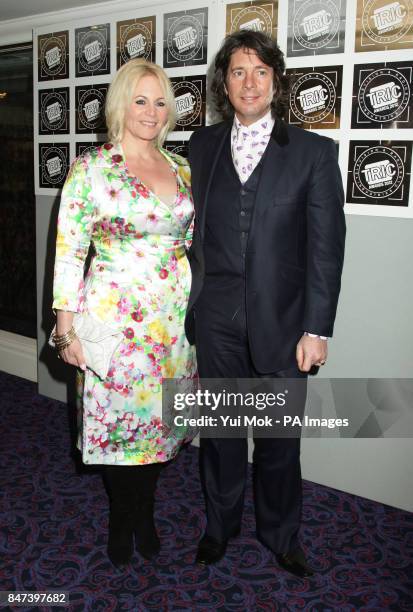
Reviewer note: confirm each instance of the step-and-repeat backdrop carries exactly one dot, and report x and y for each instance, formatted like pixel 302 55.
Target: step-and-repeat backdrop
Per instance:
pixel 351 64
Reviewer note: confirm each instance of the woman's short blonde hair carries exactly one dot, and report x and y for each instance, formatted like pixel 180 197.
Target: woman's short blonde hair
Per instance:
pixel 120 96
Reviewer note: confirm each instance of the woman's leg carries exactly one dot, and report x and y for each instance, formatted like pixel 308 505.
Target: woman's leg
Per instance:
pixel 120 484
pixel 146 538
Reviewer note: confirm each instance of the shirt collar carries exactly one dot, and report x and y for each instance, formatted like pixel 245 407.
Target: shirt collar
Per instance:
pixel 264 125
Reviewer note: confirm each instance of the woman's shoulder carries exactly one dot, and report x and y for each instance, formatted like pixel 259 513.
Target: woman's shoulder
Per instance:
pixel 91 158
pixel 99 155
pixel 178 159
pixel 182 166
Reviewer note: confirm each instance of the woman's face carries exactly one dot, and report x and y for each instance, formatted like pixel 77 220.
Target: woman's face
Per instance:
pixel 147 113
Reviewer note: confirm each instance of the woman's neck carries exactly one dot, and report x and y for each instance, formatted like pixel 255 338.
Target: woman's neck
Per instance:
pixel 134 148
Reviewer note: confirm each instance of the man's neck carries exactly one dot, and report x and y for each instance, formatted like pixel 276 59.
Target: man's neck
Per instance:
pixel 266 116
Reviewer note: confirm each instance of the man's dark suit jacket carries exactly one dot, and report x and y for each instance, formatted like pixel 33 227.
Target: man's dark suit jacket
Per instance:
pixel 295 246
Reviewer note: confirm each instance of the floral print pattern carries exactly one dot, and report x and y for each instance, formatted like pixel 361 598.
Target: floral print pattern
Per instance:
pixel 138 282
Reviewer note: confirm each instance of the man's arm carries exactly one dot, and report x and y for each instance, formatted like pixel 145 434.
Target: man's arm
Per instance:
pixel 325 254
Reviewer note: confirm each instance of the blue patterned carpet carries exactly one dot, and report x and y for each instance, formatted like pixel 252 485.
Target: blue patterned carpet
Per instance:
pixel 54 520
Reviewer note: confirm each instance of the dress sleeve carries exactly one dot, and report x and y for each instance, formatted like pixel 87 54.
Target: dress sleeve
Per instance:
pixel 185 173
pixel 189 234
pixel 74 231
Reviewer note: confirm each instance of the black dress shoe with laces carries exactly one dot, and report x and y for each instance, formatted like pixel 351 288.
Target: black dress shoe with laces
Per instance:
pixel 210 551
pixel 295 563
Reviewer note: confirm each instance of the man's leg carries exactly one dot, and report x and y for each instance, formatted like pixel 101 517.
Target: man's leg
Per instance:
pixel 277 492
pixel 222 352
pixel 278 487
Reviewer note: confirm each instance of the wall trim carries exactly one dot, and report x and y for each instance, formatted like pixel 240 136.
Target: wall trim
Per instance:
pixel 21 29
pixel 18 355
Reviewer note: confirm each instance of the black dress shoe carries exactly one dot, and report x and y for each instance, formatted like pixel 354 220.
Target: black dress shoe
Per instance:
pixel 210 550
pixel 294 562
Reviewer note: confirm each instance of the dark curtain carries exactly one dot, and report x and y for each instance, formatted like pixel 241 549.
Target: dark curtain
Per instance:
pixel 17 201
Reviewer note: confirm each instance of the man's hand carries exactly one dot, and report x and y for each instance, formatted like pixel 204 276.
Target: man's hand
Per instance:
pixel 310 351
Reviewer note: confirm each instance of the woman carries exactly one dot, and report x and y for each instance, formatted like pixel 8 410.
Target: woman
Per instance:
pixel 131 199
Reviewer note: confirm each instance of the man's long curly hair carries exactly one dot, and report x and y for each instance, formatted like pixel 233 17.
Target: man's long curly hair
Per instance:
pixel 269 53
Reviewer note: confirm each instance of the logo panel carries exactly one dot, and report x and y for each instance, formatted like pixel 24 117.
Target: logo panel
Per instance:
pixel 92 50
pixel 256 16
pixel 382 95
pixel 54 111
pixel 185 38
pixel 384 24
pixel 315 98
pixel 90 108
pixel 53 56
pixel 53 164
pixel 379 173
pixel 316 27
pixel 136 39
pixel 190 102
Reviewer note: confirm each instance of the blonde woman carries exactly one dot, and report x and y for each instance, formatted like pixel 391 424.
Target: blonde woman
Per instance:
pixel 132 200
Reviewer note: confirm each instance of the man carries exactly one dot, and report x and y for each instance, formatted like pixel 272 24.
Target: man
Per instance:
pixel 266 260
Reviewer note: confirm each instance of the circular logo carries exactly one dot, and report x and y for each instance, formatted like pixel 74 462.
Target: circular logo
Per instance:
pixel 384 95
pixel 92 50
pixel 312 97
pixel 378 172
pixel 252 18
pixel 316 23
pixel 188 101
pixel 90 109
pixel 385 21
pixel 53 111
pixel 53 166
pixel 185 38
pixel 52 55
pixel 136 41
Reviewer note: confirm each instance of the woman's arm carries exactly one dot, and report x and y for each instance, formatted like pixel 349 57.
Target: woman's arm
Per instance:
pixel 75 227
pixel 74 232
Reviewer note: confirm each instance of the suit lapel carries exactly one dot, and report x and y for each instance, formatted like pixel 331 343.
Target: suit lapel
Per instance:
pixel 215 147
pixel 274 163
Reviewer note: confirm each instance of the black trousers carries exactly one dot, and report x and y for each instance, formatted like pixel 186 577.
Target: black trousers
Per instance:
pixel 223 352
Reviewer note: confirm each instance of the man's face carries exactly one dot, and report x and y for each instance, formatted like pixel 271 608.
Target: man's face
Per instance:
pixel 250 85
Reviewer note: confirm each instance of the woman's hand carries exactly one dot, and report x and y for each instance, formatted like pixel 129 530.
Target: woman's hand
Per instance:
pixel 73 354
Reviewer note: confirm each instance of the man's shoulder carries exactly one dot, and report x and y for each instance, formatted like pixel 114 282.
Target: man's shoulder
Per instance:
pixel 306 138
pixel 210 132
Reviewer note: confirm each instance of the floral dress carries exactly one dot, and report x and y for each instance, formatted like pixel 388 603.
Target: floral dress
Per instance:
pixel 138 282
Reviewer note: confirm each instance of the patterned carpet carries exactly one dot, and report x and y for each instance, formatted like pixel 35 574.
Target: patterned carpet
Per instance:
pixel 54 520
